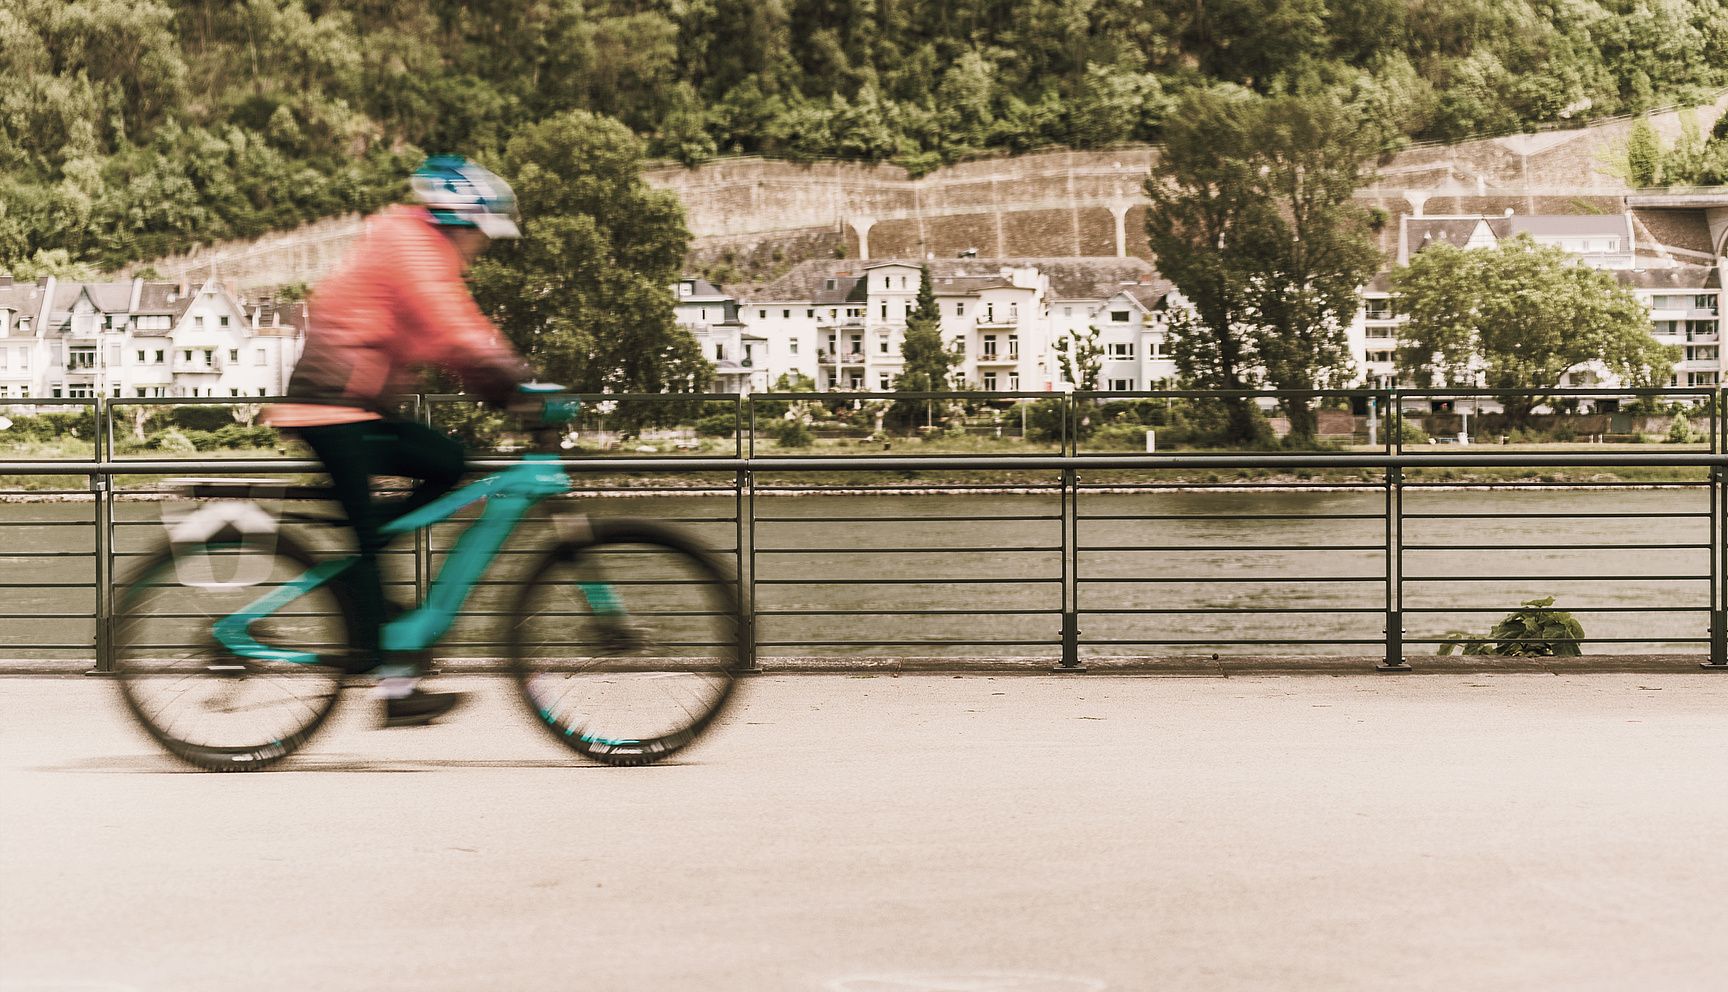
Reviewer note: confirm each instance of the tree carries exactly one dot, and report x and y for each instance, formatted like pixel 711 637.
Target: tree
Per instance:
pixel 583 294
pixel 926 361
pixel 1307 258
pixel 1081 358
pixel 1252 218
pixel 1643 154
pixel 1520 316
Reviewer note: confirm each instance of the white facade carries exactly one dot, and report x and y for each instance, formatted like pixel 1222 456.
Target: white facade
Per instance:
pixel 142 340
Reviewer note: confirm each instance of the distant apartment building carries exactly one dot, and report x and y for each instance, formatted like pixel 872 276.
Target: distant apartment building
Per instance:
pixel 843 325
pixel 142 339
pixel 1683 297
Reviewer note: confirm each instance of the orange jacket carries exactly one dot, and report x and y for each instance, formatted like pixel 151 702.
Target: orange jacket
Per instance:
pixel 397 301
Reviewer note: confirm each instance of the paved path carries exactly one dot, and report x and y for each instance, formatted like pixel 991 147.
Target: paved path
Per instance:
pixel 846 834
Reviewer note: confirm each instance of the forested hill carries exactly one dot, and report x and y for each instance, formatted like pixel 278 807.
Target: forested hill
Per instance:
pixel 132 128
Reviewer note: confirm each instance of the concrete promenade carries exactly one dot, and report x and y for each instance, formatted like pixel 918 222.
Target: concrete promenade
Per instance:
pixel 872 833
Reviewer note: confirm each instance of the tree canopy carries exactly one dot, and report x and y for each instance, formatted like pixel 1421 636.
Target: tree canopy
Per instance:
pixel 134 128
pixel 1520 315
pixel 582 295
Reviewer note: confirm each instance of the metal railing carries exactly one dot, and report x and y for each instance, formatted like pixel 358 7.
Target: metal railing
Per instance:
pixel 1069 552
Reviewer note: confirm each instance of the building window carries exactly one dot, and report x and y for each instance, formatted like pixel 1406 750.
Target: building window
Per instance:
pixel 794 345
pixel 884 311
pixel 1121 385
pixel 959 309
pixel 233 354
pixel 857 344
pixel 81 359
pixel 1122 352
pixel 1706 301
pixel 810 314
pixel 186 354
pixel 1379 308
pixel 209 357
pixel 1014 346
pixel 882 344
pixel 989 346
pixel 719 353
pixel 1701 378
pixel 1155 348
pixel 233 392
pixel 887 282
pixel 1702 353
pixel 883 381
pixel 1379 356
pixel 222 321
pixel 828 284
pixel 4 390
pixel 1014 381
pixel 160 357
pixel 260 390
pixel 198 322
pixel 1067 311
pixel 990 382
pixel 762 315
pixel 1696 329
pixel 140 392
pixel 141 358
pixel 960 346
pixel 857 381
pixel 785 315
pixel 908 311
pixel 1119 316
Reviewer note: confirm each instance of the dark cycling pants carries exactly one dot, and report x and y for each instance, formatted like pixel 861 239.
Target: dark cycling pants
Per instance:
pixel 353 454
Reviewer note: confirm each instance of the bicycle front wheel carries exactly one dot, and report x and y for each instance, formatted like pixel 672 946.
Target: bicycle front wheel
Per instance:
pixel 204 704
pixel 626 642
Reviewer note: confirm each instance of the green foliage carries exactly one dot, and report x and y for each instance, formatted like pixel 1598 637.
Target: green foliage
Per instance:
pixel 1681 432
pixel 1643 154
pixel 1534 631
pixel 1081 358
pixel 209 417
pixel 1520 315
pixel 791 433
pixel 1408 432
pixel 718 425
pixel 582 295
pixel 134 128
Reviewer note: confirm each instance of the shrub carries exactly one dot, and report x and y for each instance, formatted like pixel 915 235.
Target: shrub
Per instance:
pixel 791 433
pixel 1534 631
pixel 1680 432
pixel 201 418
pixel 1409 433
pixel 718 425
pixel 171 441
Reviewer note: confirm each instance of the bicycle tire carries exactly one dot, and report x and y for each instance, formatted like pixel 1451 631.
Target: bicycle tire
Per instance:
pixel 204 705
pixel 637 688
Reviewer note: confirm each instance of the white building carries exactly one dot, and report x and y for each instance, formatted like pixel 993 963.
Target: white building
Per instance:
pixel 1684 299
pixel 142 340
pixel 843 324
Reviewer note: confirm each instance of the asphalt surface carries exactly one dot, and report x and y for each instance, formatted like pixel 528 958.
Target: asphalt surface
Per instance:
pixel 880 834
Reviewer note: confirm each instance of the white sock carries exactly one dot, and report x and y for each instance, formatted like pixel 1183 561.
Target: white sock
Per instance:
pixel 394 687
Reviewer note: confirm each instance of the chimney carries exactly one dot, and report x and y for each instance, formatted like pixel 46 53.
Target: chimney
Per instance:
pixel 41 280
pixel 184 287
pixel 5 280
pixel 137 291
pixel 275 318
pixel 232 286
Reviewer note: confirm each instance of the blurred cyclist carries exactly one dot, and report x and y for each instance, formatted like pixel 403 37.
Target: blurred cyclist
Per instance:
pixel 396 302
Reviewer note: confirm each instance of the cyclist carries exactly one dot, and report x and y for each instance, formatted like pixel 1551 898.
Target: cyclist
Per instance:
pixel 396 302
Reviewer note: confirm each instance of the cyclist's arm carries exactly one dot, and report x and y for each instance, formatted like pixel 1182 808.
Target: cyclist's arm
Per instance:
pixel 451 330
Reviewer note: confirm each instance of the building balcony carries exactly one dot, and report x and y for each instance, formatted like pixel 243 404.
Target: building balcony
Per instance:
pixel 998 320
pixel 825 357
pixel 999 359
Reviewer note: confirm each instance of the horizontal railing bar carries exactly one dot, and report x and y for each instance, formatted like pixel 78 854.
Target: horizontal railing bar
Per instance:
pixel 1560 516
pixel 869 463
pixel 1246 611
pixel 1554 640
pixel 887 551
pixel 1045 642
pixel 1245 547
pixel 1220 640
pixel 1555 547
pixel 924 519
pixel 1231 516
pixel 1262 578
pixel 1570 609
pixel 901 582
pixel 1557 578
pixel 909 613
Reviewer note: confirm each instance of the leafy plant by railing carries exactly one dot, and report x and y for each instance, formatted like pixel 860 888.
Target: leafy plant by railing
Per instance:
pixel 1532 632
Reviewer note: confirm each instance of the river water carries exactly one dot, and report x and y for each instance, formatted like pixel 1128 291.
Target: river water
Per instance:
pixel 851 569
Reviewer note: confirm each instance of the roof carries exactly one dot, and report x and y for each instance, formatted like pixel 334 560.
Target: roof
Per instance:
pixel 1078 278
pixel 154 299
pixel 702 288
pixel 1564 225
pixel 1680 278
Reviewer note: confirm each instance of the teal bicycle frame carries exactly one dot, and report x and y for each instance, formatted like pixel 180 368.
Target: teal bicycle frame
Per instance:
pixel 508 494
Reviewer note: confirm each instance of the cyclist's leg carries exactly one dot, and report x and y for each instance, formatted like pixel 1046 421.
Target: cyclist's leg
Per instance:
pixel 419 452
pixel 348 452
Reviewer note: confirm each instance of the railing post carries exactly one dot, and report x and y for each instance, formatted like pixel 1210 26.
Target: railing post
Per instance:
pixel 1718 660
pixel 100 488
pixel 746 545
pixel 1394 661
pixel 1070 568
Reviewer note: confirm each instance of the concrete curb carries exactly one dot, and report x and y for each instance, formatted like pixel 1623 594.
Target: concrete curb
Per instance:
pixel 1184 666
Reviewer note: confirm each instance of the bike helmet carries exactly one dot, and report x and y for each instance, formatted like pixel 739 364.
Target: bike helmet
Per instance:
pixel 462 194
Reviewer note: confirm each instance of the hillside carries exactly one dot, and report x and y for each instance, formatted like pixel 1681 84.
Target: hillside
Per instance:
pixel 131 129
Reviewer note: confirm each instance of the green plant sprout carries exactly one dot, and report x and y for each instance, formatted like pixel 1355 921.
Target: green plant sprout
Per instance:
pixel 1532 632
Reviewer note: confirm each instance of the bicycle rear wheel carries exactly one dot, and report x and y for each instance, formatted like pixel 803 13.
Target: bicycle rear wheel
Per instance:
pixel 204 704
pixel 625 644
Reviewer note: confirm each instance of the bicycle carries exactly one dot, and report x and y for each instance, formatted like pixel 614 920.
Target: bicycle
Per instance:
pixel 621 684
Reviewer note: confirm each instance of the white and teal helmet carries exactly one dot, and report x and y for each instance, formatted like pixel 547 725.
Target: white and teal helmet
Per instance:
pixel 462 194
